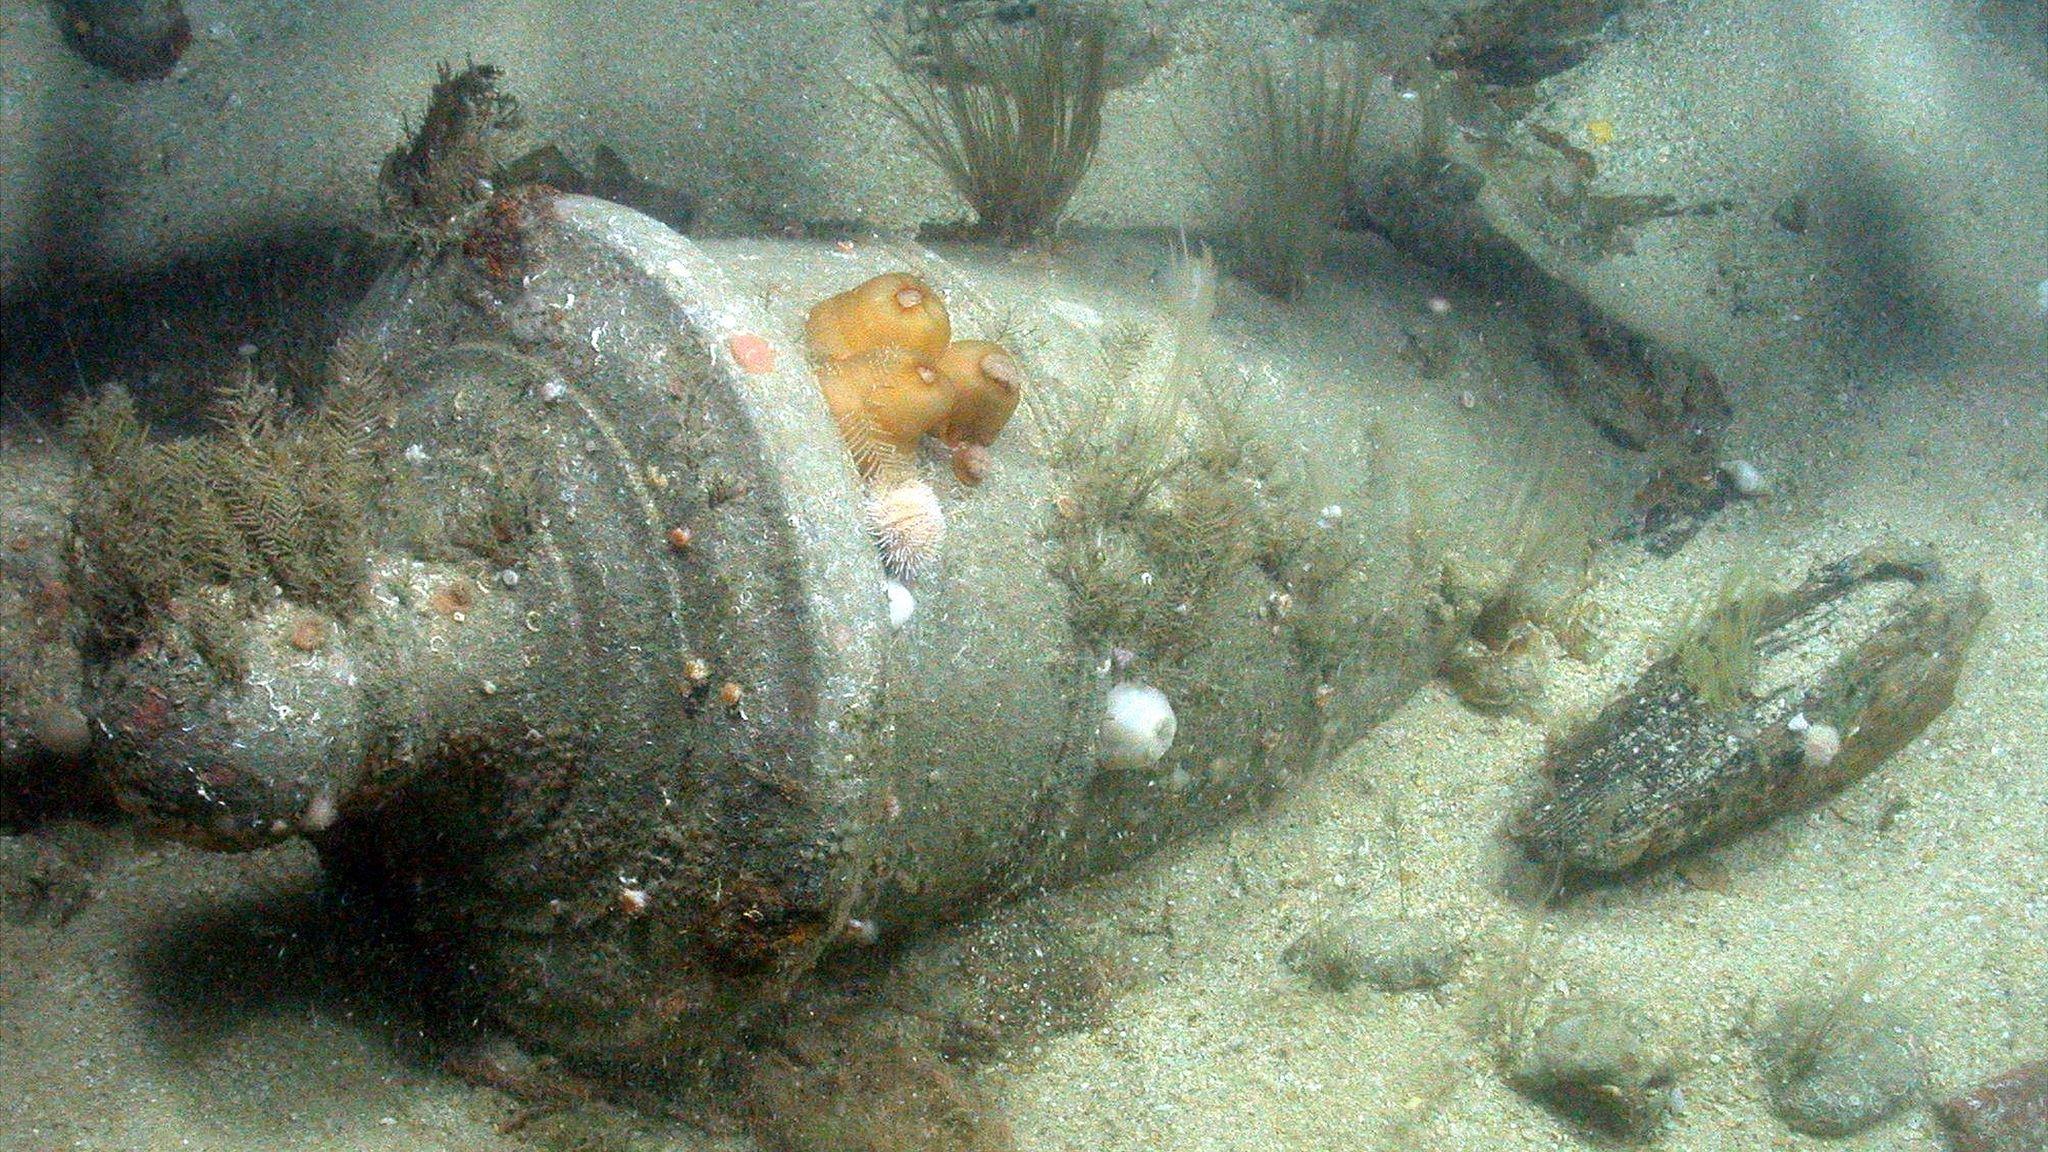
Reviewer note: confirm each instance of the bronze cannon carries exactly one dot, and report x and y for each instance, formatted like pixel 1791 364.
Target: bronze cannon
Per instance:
pixel 560 625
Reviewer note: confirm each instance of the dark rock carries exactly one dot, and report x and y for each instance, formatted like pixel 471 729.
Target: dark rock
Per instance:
pixel 1517 42
pixel 2008 1113
pixel 133 39
pixel 1599 1063
pixel 610 178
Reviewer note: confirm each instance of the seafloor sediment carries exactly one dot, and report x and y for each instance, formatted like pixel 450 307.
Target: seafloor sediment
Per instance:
pixel 1887 367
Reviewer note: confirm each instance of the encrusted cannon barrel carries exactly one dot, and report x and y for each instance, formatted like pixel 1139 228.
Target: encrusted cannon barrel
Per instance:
pixel 565 626
pixel 43 728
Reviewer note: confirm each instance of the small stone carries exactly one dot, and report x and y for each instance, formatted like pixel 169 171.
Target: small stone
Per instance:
pixel 1599 1063
pixel 1793 214
pixel 1837 1066
pixel 1391 954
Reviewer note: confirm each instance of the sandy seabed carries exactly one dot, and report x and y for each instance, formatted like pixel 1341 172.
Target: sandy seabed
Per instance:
pixel 1889 381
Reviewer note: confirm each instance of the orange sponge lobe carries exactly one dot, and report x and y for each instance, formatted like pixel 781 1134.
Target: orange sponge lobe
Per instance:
pixel 883 402
pixel 895 310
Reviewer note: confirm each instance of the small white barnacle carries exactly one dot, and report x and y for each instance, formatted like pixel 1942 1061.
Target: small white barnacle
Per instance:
pixel 902 603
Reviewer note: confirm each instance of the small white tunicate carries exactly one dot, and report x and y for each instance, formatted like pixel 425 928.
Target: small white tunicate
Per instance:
pixel 509 578
pixel 1745 478
pixel 552 390
pixel 415 454
pixel 1138 725
pixel 902 605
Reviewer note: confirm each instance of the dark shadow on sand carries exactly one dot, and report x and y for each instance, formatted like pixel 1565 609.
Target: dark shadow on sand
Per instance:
pixel 210 969
pixel 1891 310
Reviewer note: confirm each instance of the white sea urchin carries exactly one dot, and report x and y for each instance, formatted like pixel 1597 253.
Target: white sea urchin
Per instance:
pixel 908 527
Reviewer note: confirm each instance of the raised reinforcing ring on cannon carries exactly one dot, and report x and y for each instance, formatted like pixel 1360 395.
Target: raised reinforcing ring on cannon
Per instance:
pixel 655 812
